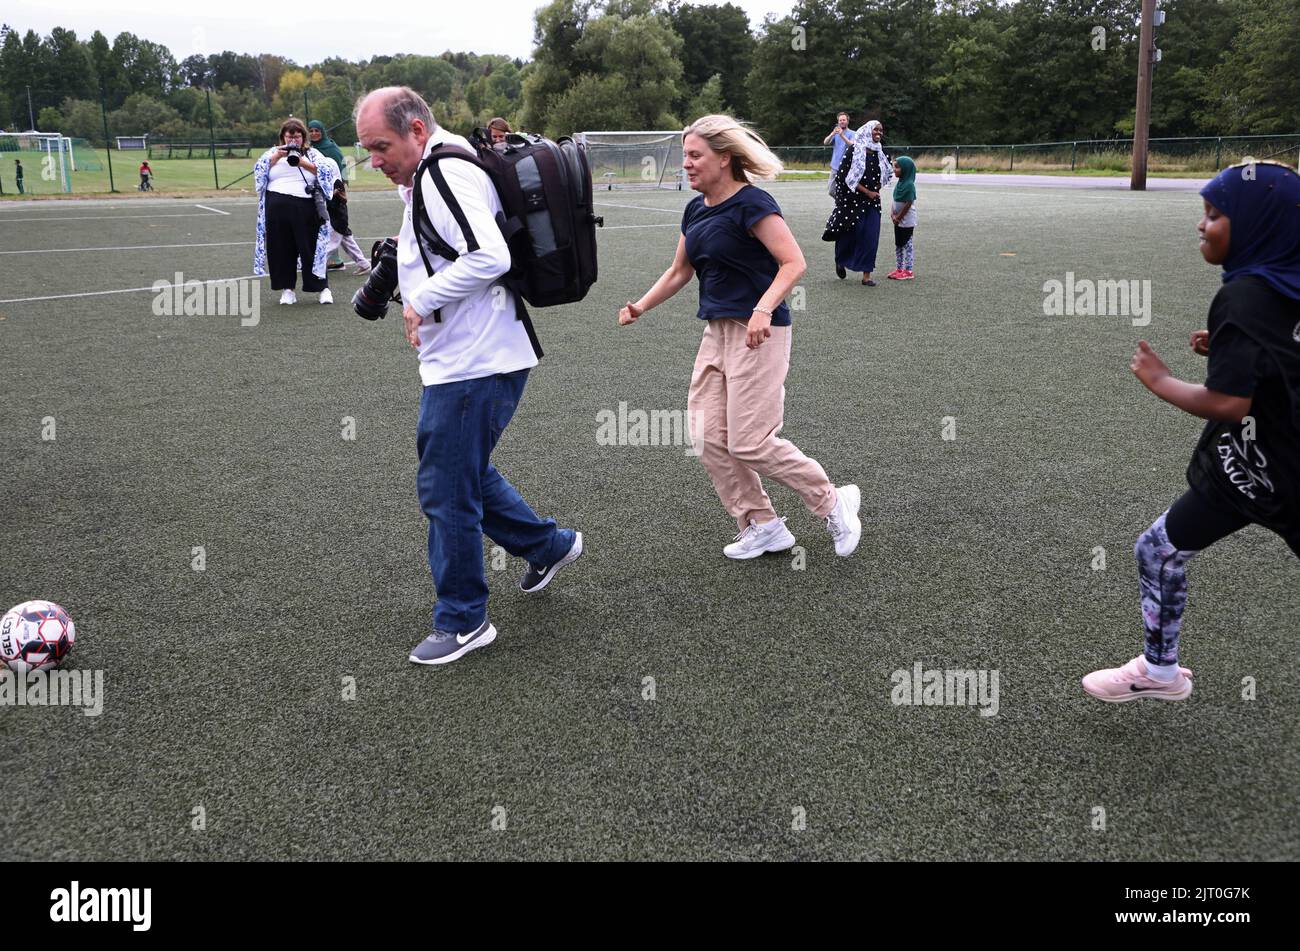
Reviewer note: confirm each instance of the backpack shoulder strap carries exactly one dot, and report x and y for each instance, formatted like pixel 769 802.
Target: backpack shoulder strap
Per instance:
pixel 420 216
pixel 424 228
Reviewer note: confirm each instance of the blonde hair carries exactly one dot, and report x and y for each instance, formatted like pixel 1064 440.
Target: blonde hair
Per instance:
pixel 751 159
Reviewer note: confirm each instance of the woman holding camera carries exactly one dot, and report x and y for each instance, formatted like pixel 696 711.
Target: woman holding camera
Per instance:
pixel 290 226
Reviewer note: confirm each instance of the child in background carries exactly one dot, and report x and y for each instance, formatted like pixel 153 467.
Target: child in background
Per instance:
pixel 1246 467
pixel 904 217
pixel 340 233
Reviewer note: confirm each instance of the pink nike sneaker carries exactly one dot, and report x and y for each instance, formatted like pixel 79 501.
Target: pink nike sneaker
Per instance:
pixel 906 276
pixel 895 274
pixel 1130 682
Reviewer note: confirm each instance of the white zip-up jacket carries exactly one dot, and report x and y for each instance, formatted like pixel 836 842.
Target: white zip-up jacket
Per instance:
pixel 478 334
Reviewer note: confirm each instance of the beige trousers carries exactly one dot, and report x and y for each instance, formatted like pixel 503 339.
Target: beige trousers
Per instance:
pixel 736 409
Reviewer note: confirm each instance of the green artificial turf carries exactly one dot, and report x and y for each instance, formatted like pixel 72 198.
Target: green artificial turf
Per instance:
pixel 224 688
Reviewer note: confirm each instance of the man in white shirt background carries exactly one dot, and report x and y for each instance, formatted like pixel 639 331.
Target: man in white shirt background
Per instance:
pixel 474 361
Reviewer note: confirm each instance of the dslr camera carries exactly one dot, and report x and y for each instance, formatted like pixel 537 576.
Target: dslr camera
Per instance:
pixel 293 154
pixel 371 299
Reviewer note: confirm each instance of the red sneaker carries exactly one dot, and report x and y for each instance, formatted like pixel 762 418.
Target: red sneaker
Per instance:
pixel 895 274
pixel 905 275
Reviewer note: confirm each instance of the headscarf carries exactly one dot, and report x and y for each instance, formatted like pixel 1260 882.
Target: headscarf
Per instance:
pixel 1262 202
pixel 865 145
pixel 326 146
pixel 905 189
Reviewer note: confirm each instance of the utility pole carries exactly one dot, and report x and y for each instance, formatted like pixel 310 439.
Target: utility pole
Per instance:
pixel 1148 56
pixel 30 117
pixel 212 142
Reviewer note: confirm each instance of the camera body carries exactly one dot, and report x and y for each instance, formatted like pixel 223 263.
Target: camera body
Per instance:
pixel 293 154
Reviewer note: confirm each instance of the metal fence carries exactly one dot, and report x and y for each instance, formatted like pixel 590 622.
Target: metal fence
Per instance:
pixel 1185 154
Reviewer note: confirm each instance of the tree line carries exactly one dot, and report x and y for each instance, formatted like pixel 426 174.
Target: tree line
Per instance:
pixel 937 71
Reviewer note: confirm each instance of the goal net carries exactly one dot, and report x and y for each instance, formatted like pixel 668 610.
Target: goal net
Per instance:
pixel 35 163
pixel 634 159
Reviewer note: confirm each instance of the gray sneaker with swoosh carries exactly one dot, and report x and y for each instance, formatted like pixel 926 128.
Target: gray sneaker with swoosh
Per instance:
pixel 538 577
pixel 442 647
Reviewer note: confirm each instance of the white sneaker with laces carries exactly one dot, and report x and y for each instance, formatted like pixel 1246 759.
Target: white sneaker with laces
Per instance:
pixel 757 539
pixel 843 522
pixel 326 297
pixel 288 297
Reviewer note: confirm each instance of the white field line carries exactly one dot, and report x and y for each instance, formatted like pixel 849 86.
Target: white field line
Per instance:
pixel 188 214
pixel 129 247
pixel 610 204
pixel 217 210
pixel 129 290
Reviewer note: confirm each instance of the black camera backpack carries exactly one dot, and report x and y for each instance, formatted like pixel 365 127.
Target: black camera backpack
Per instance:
pixel 546 218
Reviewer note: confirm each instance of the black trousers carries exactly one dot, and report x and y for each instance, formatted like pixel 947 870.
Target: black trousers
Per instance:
pixel 291 229
pixel 1195 522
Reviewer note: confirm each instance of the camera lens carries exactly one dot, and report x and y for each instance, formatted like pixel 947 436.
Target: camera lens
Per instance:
pixel 371 299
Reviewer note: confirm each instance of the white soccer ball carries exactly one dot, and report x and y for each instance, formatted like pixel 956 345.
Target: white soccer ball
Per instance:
pixel 35 635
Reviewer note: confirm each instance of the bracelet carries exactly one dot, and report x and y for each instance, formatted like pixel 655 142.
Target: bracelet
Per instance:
pixel 763 310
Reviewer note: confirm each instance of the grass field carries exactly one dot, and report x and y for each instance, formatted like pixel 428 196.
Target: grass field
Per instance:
pixel 224 688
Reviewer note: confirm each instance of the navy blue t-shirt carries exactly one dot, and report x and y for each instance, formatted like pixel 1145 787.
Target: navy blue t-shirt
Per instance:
pixel 733 266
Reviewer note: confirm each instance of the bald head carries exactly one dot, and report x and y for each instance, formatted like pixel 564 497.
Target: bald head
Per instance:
pixel 394 125
pixel 398 106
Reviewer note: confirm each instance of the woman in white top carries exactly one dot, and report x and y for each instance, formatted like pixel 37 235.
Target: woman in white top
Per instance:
pixel 288 227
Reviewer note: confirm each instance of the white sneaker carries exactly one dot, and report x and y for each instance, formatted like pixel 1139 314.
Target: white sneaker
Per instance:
pixel 843 522
pixel 757 539
pixel 363 267
pixel 326 297
pixel 1134 682
pixel 288 297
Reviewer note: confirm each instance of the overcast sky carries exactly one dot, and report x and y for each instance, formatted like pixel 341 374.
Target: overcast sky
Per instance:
pixel 309 32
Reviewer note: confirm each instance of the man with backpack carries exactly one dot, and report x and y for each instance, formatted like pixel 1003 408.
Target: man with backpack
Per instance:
pixel 475 354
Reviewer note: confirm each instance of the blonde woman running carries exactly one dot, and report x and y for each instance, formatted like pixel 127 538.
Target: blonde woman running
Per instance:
pixel 735 240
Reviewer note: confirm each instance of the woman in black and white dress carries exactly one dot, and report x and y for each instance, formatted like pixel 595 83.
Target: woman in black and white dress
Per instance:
pixel 288 227
pixel 854 225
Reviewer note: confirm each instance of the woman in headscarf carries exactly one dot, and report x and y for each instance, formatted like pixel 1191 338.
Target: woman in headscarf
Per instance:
pixel 322 143
pixel 854 225
pixel 289 228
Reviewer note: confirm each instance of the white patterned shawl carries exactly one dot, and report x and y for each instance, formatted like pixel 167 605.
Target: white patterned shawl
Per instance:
pixel 866 145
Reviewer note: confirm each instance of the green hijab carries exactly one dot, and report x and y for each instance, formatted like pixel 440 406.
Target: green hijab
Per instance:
pixel 326 146
pixel 905 189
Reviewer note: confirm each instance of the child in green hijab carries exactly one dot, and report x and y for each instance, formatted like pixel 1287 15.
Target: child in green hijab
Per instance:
pixel 904 217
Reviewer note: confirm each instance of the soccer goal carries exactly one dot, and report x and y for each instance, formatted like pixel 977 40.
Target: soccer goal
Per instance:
pixel 42 158
pixel 634 159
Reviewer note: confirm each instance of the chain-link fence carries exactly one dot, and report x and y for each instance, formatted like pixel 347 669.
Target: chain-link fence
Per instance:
pixel 1200 155
pixel 86 147
pixel 112 158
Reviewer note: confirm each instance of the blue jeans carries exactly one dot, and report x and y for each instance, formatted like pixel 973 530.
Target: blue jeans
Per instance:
pixel 464 497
